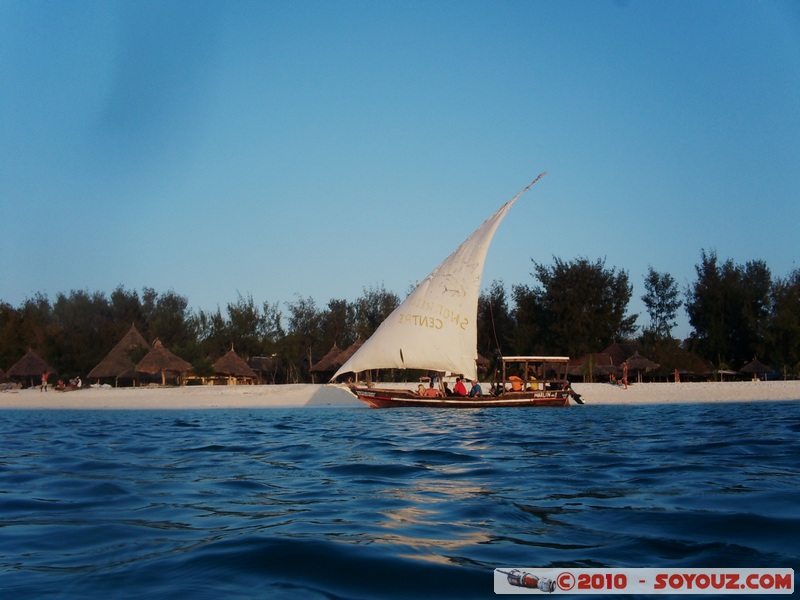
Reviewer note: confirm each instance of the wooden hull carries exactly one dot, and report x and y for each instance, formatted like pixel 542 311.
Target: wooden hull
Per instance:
pixel 394 398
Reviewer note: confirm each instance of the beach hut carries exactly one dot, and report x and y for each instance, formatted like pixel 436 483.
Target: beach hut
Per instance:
pixel 621 351
pixel 594 366
pixel 755 368
pixel 345 354
pixel 161 360
pixel 639 364
pixel 120 362
pixel 233 369
pixel 31 366
pixel 327 364
pixel 264 368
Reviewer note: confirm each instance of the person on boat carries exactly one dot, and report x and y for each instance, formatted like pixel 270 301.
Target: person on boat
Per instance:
pixel 460 389
pixel 421 389
pixel 475 390
pixel 516 383
pixel 432 391
pixel 447 390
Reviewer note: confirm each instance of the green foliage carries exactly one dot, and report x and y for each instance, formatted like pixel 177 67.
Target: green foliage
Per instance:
pixel 661 301
pixel 577 308
pixel 784 326
pixel 495 326
pixel 729 308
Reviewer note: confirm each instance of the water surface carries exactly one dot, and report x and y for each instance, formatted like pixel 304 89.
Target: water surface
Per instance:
pixel 405 503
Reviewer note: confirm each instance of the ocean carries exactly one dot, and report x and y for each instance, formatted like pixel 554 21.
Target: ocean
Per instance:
pixel 351 503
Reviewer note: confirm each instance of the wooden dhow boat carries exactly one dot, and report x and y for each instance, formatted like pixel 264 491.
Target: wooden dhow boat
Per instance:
pixel 435 330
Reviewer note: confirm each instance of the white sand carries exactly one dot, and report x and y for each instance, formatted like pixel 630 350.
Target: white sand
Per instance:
pixel 300 395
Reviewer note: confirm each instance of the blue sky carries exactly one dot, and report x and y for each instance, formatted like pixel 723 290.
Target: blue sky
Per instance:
pixel 315 149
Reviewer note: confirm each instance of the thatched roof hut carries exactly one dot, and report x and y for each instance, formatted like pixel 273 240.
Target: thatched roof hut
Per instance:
pixel 345 355
pixel 161 360
pixel 639 364
pixel 621 351
pixel 326 363
pixel 233 367
pixel 30 366
pixel 264 367
pixel 755 368
pixel 120 363
pixel 598 365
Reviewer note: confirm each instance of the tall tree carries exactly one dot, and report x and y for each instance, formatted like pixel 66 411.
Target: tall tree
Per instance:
pixel 338 323
pixel 581 304
pixel 246 326
pixel 494 322
pixel 728 307
pixel 372 308
pixel 171 321
pixel 83 332
pixel 12 346
pixel 662 301
pixel 784 329
pixel 303 336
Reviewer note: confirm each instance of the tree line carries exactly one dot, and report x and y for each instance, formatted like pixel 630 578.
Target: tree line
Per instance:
pixel 737 312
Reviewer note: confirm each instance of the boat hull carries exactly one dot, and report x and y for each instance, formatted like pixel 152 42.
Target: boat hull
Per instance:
pixel 387 398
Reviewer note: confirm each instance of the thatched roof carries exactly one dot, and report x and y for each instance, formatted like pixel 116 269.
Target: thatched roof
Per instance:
pixel 637 362
pixel 118 363
pixel 233 366
pixel 345 355
pixel 326 363
pixel 600 364
pixel 159 359
pixel 30 365
pixel 755 366
pixel 619 351
pixel 265 364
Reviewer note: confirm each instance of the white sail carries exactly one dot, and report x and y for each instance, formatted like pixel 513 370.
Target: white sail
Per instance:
pixel 435 327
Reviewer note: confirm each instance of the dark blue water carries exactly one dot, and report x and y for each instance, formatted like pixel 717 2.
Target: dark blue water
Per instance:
pixel 407 503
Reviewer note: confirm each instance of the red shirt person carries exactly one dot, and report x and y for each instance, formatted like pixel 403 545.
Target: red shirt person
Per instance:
pixel 460 389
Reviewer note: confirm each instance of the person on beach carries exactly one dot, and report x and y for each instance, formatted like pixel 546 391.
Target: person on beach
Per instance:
pixel 624 380
pixel 460 389
pixel 44 381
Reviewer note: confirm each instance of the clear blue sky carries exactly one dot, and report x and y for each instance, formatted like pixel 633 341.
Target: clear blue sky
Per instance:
pixel 315 149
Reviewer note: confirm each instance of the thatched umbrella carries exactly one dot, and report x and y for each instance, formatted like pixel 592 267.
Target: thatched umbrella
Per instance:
pixel 31 365
pixel 232 366
pixel 161 360
pixel 120 363
pixel 639 364
pixel 754 367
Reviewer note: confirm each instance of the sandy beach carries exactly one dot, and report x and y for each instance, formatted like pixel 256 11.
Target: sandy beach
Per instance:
pixel 321 395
